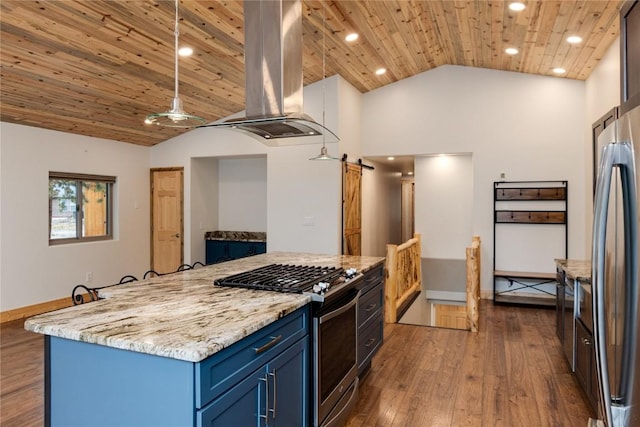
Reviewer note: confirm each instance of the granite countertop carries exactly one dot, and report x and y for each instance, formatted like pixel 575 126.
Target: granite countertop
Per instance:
pixel 183 315
pixel 576 269
pixel 236 236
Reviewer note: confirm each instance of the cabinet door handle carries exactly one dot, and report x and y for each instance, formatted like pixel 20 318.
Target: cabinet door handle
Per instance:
pixel 370 342
pixel 275 393
pixel 267 346
pixel 266 404
pixel 586 341
pixel 371 307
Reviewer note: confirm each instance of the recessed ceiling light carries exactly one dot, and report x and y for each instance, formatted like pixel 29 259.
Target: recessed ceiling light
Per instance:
pixel 390 158
pixel 185 51
pixel 511 51
pixel 517 6
pixel 381 71
pixel 351 37
pixel 574 39
pixel 559 70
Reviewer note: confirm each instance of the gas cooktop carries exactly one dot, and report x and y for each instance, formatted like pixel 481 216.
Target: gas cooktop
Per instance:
pixel 313 280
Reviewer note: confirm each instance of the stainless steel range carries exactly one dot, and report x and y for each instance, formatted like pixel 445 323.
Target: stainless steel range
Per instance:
pixel 334 366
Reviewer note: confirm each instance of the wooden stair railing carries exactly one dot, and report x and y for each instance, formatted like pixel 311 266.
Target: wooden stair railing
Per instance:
pixel 473 284
pixel 403 277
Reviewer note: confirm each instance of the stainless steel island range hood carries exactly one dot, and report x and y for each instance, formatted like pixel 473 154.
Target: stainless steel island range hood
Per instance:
pixel 273 77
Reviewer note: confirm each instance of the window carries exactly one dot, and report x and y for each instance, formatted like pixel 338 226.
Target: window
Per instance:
pixel 80 207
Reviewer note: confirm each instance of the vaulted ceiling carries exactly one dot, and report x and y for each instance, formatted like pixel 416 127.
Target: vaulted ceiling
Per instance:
pixel 98 67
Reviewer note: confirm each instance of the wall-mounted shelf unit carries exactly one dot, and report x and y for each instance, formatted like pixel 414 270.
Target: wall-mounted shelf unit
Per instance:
pixel 529 225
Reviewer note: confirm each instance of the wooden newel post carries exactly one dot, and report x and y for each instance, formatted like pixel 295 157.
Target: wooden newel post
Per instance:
pixel 473 284
pixel 391 284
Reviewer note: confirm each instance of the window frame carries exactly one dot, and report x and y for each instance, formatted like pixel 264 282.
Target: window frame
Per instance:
pixel 80 179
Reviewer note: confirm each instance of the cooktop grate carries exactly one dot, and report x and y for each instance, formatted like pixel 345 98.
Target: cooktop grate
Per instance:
pixel 282 278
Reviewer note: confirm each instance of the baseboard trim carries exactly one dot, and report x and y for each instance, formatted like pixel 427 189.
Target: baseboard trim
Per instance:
pixel 446 295
pixel 32 310
pixel 486 294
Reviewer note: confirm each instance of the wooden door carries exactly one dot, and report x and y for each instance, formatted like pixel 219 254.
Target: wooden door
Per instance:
pixel 450 316
pixel 166 219
pixel 351 213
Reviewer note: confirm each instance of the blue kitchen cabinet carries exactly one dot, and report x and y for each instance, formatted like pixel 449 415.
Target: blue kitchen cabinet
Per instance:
pixel 225 250
pixel 273 395
pixel 370 317
pixel 216 251
pixel 228 388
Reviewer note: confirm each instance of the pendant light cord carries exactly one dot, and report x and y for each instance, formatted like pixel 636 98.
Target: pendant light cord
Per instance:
pixel 175 117
pixel 176 35
pixel 323 70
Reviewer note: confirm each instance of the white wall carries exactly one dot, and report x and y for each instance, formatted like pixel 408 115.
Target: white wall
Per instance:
pixel 31 270
pixel 349 120
pixel 204 204
pixel 444 207
pixel 296 187
pixel 300 189
pixel 530 127
pixel 602 94
pixel 603 85
pixel 381 209
pixel 205 145
pixel 242 194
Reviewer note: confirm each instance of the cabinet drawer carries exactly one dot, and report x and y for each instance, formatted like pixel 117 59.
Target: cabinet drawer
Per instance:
pixel 279 387
pixel 372 278
pixel 222 370
pixel 236 407
pixel 370 340
pixel 370 303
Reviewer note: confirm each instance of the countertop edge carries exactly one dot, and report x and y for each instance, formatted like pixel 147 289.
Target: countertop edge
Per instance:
pixel 575 269
pixel 186 354
pixel 182 315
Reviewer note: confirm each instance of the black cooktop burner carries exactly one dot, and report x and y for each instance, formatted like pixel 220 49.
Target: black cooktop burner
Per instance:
pixel 284 278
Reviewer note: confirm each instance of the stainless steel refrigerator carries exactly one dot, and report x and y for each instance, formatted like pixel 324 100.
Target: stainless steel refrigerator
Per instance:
pixel 615 260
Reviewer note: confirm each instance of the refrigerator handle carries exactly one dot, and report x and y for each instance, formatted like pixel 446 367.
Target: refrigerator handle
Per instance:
pixel 621 155
pixel 630 331
pixel 601 206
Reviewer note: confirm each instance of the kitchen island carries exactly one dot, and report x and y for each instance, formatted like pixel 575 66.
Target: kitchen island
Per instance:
pixel 177 350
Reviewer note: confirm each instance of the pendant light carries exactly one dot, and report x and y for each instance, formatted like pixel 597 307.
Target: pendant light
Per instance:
pixel 176 117
pixel 324 154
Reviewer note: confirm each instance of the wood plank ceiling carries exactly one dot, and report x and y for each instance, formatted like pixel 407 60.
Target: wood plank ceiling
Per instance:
pixel 99 67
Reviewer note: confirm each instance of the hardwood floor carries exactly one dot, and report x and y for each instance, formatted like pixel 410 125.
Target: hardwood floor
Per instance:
pixel 21 376
pixel 512 373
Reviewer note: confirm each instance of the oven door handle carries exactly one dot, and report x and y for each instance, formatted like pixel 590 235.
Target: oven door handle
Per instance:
pixel 339 311
pixel 341 416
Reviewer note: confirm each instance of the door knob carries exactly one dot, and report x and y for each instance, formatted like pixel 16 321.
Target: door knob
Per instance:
pixel 177 235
